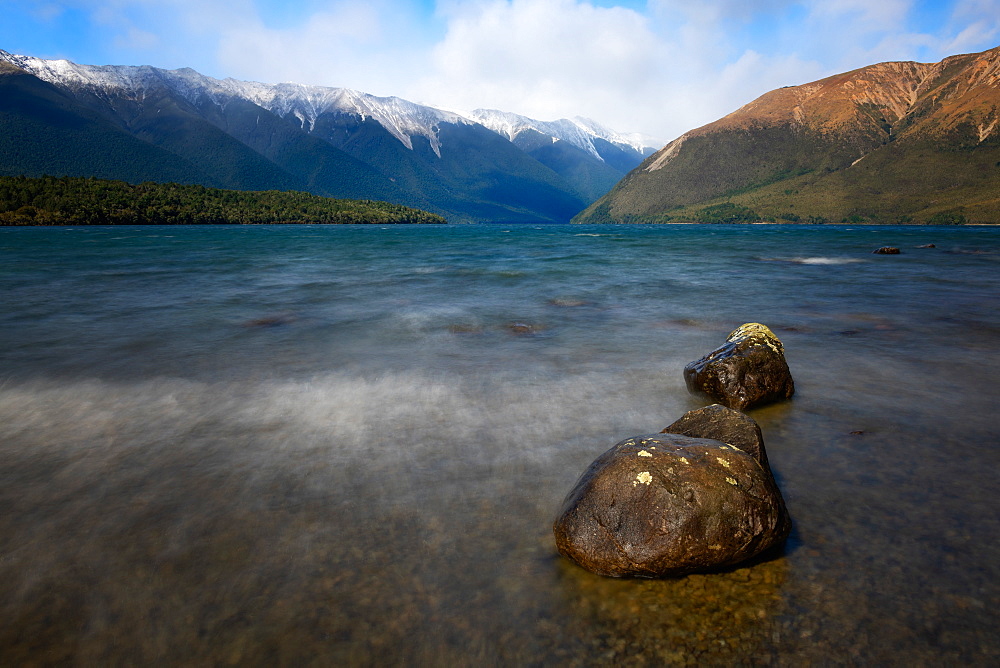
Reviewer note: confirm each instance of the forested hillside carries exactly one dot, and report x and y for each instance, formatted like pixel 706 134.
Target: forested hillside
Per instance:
pixel 88 201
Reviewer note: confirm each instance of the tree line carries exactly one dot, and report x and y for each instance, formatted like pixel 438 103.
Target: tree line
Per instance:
pixel 66 200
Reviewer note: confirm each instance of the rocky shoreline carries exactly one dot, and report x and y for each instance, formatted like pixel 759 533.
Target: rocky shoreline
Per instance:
pixel 700 495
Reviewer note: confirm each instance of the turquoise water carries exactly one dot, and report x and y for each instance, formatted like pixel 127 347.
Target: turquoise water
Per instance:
pixel 321 445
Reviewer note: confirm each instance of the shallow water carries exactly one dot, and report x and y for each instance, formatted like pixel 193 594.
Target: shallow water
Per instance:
pixel 346 445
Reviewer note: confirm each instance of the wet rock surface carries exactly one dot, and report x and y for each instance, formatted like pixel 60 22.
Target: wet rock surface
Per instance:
pixel 886 250
pixel 723 424
pixel 748 370
pixel 667 505
pixel 522 328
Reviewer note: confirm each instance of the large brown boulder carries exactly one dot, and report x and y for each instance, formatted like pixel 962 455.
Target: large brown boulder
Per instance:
pixel 667 505
pixel 748 370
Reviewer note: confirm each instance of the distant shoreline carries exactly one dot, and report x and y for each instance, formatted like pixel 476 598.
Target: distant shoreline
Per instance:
pixel 58 201
pixel 492 223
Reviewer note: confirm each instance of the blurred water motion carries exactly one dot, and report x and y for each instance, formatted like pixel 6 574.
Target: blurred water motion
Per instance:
pixel 325 446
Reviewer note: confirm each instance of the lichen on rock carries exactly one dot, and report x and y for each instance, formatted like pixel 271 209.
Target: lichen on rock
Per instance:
pixel 653 517
pixel 748 370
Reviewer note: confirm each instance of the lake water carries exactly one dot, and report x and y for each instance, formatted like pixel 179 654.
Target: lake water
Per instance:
pixel 298 445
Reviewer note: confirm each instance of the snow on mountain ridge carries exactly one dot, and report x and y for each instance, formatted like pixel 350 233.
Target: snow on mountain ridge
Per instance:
pixel 135 79
pixel 401 118
pixel 510 125
pixel 638 141
pixel 578 131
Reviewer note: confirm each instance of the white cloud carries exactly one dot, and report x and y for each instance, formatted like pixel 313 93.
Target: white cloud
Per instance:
pixel 660 67
pixel 661 73
pixel 543 58
pixel 47 11
pixel 973 23
pixel 331 43
pixel 134 38
pixel 863 15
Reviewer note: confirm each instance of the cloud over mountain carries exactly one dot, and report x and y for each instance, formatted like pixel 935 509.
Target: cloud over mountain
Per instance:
pixel 657 66
pixel 891 142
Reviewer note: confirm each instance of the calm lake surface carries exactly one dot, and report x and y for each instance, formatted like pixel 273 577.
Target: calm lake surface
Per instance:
pixel 297 445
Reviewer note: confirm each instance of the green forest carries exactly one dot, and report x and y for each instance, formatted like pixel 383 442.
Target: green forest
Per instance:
pixel 49 200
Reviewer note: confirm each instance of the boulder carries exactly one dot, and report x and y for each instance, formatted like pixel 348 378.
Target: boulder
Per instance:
pixel 886 250
pixel 667 505
pixel 726 425
pixel 748 370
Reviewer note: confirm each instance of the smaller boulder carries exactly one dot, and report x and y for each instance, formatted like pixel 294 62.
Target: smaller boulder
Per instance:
pixel 886 250
pixel 748 370
pixel 725 425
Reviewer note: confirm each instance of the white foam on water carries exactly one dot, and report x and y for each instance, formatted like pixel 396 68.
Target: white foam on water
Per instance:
pixel 814 260
pixel 184 469
pixel 826 260
pixel 388 424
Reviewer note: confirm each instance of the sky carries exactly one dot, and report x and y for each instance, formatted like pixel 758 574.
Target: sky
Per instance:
pixel 658 67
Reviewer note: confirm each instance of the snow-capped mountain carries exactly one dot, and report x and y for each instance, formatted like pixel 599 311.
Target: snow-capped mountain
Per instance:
pixel 581 132
pixel 486 165
pixel 403 119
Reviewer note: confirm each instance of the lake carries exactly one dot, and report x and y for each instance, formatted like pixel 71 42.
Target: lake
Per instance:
pixel 346 445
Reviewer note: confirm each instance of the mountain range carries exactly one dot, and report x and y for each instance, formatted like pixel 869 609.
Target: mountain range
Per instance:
pixel 898 142
pixel 141 123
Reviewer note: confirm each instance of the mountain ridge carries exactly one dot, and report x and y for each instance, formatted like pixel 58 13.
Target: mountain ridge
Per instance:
pixel 343 143
pixel 394 113
pixel 890 142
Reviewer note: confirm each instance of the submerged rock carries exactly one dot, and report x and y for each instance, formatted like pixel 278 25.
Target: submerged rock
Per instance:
pixel 522 328
pixel 568 303
pixel 465 329
pixel 275 320
pixel 886 250
pixel 748 370
pixel 668 504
